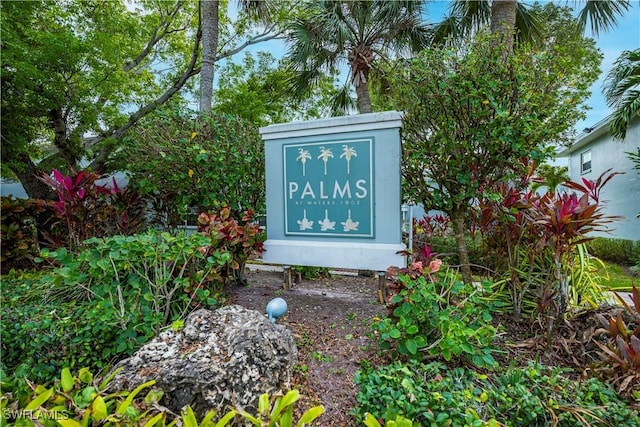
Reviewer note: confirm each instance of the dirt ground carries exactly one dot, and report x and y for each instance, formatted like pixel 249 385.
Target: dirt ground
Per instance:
pixel 330 319
pixel 331 322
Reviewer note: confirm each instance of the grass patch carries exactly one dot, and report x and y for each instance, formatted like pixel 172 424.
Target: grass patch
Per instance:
pixel 620 279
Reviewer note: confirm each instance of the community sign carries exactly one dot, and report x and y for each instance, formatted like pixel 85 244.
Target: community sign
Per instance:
pixel 333 192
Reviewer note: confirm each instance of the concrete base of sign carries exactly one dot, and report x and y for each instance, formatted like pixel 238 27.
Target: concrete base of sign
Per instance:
pixel 361 256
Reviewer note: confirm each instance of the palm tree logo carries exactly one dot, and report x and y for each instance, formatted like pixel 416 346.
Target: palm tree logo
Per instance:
pixel 303 156
pixel 348 153
pixel 325 155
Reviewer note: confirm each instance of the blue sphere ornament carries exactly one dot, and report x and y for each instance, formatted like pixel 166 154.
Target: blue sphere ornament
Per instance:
pixel 276 308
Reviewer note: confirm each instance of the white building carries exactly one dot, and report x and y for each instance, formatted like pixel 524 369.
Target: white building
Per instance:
pixel 593 153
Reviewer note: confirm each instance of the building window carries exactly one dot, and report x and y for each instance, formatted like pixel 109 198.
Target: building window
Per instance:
pixel 585 162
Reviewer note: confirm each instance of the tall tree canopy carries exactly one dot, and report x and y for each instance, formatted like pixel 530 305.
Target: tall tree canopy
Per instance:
pixel 256 89
pixel 515 18
pixel 471 115
pixel 72 70
pixel 357 34
pixel 77 76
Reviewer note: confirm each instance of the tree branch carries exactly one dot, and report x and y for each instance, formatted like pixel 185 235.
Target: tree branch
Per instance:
pixel 192 70
pixel 117 133
pixel 155 38
pixel 265 36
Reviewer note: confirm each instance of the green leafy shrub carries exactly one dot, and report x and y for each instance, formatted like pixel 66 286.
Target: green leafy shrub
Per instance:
pixel 619 251
pixel 102 304
pixel 196 164
pixel 167 271
pixel 81 400
pixel 433 394
pixel 21 225
pixel 41 338
pixel 438 318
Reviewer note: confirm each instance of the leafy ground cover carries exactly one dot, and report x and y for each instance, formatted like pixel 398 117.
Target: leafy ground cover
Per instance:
pixel 331 320
pixel 538 380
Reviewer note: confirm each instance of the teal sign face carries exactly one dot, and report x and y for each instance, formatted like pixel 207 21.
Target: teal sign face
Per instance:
pixel 328 188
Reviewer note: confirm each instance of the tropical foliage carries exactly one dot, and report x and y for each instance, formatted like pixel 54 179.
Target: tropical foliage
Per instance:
pixel 83 399
pixel 242 239
pixel 478 116
pixel 538 238
pixel 75 88
pixel 474 115
pixel 622 91
pixel 438 318
pixel 82 88
pixel 186 165
pixel 358 34
pixel 103 303
pixel 434 394
pixel 88 208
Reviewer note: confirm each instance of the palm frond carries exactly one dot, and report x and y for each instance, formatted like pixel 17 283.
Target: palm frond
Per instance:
pixel 342 103
pixel 622 92
pixel 307 47
pixel 397 11
pixel 602 15
pixel 528 25
pixel 624 75
pixel 356 33
pixel 302 82
pixel 626 111
pixel 405 36
pixel 446 32
pixel 417 38
pixel 473 15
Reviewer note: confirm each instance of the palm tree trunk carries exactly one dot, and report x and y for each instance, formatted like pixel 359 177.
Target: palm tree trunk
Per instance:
pixel 209 49
pixel 503 21
pixel 364 100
